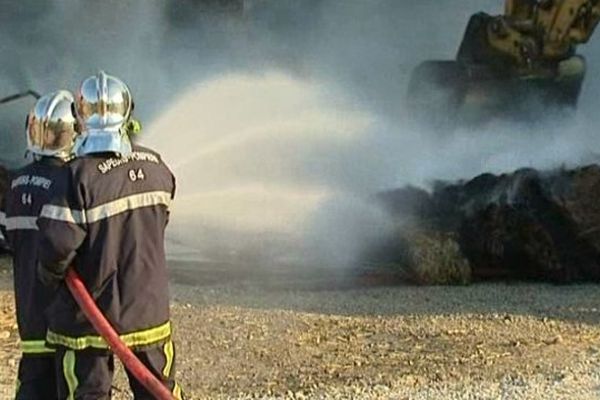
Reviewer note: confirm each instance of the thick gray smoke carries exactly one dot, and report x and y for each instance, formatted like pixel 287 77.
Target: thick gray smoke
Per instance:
pixel 280 117
pixel 161 47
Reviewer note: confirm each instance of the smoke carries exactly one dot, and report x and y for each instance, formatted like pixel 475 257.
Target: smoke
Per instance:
pixel 280 118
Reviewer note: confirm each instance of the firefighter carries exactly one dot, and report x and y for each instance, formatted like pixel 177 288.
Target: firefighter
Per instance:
pixel 50 129
pixel 107 220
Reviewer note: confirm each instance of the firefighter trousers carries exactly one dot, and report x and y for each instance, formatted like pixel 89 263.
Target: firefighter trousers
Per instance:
pixel 36 378
pixel 88 374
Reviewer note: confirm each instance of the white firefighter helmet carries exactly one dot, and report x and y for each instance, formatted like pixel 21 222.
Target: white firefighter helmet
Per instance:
pixel 51 126
pixel 103 107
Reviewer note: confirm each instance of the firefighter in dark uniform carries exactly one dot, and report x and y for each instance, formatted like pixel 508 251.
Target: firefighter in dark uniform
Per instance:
pixel 51 133
pixel 107 219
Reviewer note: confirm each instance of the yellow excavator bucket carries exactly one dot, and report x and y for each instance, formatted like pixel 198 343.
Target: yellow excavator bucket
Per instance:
pixel 519 66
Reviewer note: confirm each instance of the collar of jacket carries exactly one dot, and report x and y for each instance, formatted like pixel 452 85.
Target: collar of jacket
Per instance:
pixel 52 161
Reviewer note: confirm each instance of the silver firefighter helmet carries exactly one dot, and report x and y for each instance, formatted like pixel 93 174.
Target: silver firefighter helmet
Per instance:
pixel 51 126
pixel 103 107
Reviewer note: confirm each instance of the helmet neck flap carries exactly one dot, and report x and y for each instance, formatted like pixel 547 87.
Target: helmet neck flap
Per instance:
pixel 102 142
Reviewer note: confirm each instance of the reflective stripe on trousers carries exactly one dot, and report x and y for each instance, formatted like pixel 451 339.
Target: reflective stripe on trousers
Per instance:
pixel 169 351
pixel 69 373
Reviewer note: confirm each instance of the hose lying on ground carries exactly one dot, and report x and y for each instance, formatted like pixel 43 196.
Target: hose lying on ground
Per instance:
pixel 104 329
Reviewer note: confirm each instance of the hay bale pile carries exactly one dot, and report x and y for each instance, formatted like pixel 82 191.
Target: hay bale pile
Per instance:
pixel 527 225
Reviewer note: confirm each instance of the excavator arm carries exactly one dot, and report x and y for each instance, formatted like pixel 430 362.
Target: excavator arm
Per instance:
pixel 534 33
pixel 508 62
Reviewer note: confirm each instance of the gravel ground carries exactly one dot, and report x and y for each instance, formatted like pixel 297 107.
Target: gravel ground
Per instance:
pixel 243 339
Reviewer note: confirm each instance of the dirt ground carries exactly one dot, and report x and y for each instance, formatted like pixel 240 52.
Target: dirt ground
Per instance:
pixel 320 336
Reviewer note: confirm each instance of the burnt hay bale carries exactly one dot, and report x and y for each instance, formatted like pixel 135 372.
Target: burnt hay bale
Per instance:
pixel 530 225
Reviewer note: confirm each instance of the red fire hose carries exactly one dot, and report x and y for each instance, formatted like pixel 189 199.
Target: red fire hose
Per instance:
pixel 103 327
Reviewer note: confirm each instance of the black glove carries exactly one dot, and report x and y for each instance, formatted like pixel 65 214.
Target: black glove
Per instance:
pixel 50 277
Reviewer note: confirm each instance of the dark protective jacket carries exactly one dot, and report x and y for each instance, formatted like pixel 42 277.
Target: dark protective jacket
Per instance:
pixel 107 218
pixel 28 190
